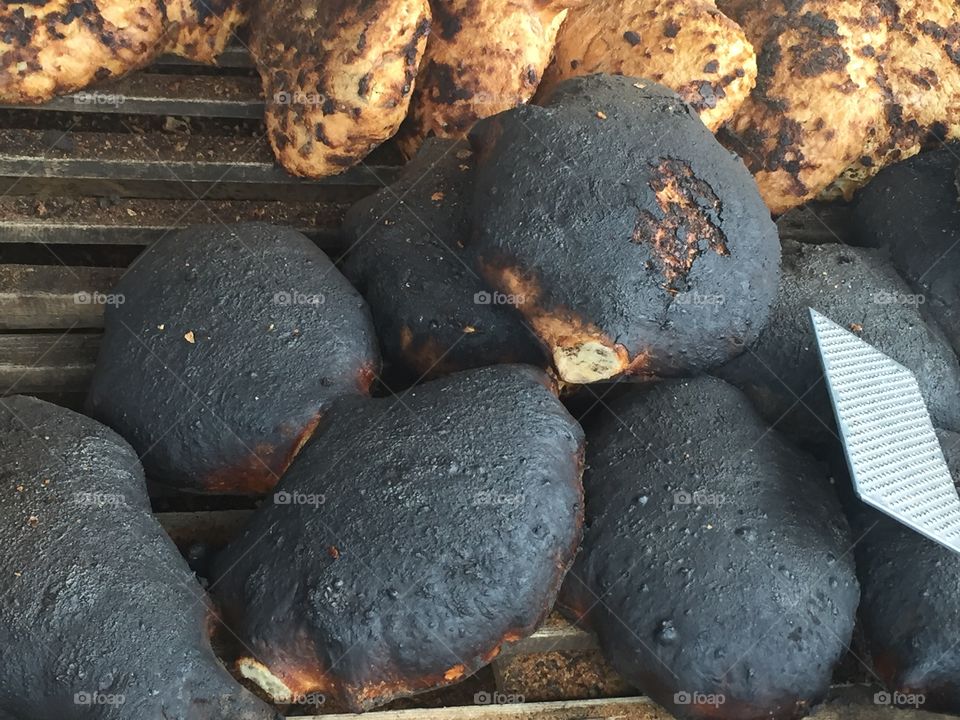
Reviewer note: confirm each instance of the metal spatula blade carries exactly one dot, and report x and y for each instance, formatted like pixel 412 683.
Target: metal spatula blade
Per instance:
pixel 895 459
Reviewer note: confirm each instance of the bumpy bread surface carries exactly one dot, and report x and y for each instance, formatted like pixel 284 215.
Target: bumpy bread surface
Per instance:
pixel 818 92
pixel 715 557
pixel 688 46
pixel 204 27
pixel 97 601
pixel 445 523
pixel 483 56
pixel 337 76
pixel 53 47
pixel 921 74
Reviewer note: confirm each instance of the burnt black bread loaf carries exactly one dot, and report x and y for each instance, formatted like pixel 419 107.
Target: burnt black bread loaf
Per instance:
pixel 434 314
pixel 229 345
pixel 910 608
pixel 715 567
pixel 410 538
pixel 912 209
pixel 100 617
pixel 638 243
pixel 858 289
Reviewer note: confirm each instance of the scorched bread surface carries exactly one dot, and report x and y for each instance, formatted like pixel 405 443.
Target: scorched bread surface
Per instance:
pixel 434 313
pixel 97 603
pixel 912 211
pixel 227 348
pixel 409 539
pixel 638 244
pixel 715 559
pixel 858 289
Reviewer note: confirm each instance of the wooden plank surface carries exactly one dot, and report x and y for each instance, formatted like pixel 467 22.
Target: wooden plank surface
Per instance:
pixel 53 296
pixel 138 221
pixel 620 709
pixel 146 93
pixel 46 362
pixel 842 706
pixel 161 157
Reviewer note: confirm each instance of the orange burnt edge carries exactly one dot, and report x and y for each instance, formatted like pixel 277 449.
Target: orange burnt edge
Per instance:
pixel 675 238
pixel 455 673
pixel 424 355
pixel 365 379
pixel 582 353
pixel 284 680
pixel 261 471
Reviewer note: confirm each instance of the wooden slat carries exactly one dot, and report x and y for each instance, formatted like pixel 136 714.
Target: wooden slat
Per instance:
pixel 620 709
pixel 129 157
pixel 556 636
pixel 134 221
pixel 46 362
pixel 53 233
pixel 163 94
pixel 47 296
pixel 638 708
pixel 200 171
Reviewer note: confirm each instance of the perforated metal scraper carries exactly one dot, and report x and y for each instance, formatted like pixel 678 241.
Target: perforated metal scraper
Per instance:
pixel 892 450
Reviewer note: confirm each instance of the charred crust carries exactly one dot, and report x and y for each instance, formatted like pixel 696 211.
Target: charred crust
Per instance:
pixel 343 161
pixel 820 25
pixel 449 21
pixel 16 28
pixel 813 61
pixel 448 88
pixel 389 477
pixel 363 87
pixel 268 337
pixel 768 59
pixel 280 139
pixel 686 226
pixel 531 76
pixel 320 134
pixel 632 509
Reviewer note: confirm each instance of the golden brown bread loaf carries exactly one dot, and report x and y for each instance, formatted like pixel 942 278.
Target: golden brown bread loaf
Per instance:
pixel 921 74
pixel 483 57
pixel 204 27
pixel 688 46
pixel 53 47
pixel 337 76
pixel 818 92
